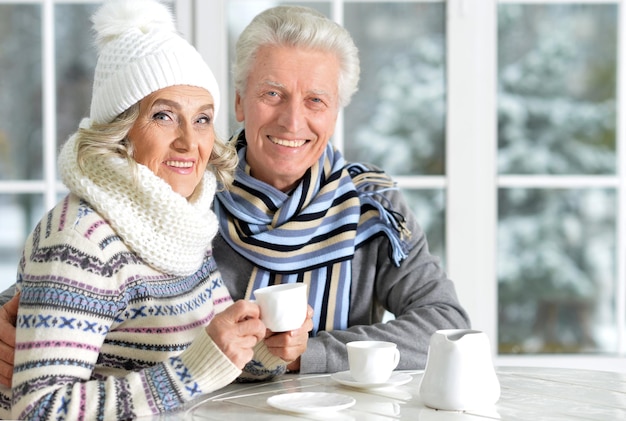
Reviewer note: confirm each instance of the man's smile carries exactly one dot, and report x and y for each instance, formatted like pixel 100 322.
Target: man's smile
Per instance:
pixel 286 142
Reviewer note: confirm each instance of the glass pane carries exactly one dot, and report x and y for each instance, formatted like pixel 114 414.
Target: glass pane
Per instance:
pixel 75 65
pixel 557 271
pixel 20 85
pixel 429 208
pixel 557 85
pixel 240 13
pixel 397 118
pixel 19 213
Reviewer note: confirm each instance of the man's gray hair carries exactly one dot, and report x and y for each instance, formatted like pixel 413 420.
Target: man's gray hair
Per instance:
pixel 298 26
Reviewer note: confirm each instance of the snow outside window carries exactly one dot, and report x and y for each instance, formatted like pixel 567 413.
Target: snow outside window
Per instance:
pixel 499 119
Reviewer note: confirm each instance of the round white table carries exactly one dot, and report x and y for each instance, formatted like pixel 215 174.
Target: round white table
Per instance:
pixel 526 394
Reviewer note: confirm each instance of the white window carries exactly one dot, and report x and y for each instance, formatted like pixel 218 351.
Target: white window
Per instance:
pixel 499 119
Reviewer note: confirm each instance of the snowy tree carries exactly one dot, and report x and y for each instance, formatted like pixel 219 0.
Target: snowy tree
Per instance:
pixel 556 116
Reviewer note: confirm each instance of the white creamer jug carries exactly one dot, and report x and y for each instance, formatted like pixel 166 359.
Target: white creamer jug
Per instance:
pixel 459 372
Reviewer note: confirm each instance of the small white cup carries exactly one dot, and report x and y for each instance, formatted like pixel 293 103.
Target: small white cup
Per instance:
pixel 283 307
pixel 372 361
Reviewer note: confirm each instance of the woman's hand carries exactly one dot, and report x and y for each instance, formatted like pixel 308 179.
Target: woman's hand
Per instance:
pixel 290 345
pixel 236 331
pixel 8 317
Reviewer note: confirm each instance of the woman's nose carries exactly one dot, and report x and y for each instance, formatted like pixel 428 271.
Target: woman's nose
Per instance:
pixel 186 138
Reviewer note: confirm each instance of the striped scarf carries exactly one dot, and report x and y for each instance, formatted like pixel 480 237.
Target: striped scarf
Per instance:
pixel 310 235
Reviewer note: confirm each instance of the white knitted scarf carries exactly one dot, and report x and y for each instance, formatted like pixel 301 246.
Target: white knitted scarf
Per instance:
pixel 169 232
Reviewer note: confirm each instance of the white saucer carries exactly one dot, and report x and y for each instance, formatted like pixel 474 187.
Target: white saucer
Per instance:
pixel 310 402
pixel 346 379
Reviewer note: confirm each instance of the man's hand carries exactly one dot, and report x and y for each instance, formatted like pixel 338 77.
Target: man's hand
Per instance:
pixel 8 317
pixel 290 345
pixel 237 330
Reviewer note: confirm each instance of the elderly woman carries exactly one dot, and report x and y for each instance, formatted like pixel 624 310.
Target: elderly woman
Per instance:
pixel 122 311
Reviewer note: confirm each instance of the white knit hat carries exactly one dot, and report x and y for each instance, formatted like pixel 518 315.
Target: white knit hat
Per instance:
pixel 140 52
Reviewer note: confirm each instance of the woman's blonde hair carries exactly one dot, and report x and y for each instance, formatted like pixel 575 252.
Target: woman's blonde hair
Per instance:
pixel 102 140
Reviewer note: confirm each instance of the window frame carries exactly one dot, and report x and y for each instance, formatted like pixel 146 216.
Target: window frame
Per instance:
pixel 471 185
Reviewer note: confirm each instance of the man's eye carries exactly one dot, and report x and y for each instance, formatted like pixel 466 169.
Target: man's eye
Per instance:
pixel 204 120
pixel 272 93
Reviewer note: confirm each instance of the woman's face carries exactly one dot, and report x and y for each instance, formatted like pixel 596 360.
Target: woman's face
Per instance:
pixel 289 111
pixel 174 135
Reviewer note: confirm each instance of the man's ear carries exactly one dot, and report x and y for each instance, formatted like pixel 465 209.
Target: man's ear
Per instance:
pixel 239 114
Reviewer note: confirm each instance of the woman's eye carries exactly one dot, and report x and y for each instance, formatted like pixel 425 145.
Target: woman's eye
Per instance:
pixel 161 116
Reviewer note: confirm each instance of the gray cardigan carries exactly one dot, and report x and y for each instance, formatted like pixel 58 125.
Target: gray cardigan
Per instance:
pixel 418 293
pixel 6 295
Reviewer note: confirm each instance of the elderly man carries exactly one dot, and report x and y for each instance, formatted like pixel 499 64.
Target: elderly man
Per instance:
pixel 298 212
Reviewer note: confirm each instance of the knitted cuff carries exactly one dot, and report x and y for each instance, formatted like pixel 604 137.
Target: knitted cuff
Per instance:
pixel 264 365
pixel 203 367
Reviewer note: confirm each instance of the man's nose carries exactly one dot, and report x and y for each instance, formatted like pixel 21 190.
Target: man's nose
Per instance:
pixel 291 116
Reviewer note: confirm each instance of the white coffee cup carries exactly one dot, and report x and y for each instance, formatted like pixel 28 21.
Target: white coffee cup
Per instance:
pixel 283 307
pixel 372 361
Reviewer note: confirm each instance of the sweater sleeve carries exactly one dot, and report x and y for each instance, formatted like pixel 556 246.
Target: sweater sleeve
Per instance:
pixel 263 366
pixel 162 387
pixel 58 346
pixel 418 293
pixel 7 294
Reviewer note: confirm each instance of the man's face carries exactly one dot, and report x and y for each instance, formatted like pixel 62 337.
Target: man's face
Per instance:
pixel 289 110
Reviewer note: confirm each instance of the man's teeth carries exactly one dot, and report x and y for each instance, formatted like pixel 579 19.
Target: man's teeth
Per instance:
pixel 179 164
pixel 288 143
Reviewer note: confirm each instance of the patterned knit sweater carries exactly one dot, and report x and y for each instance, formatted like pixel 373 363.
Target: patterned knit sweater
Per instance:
pixel 118 286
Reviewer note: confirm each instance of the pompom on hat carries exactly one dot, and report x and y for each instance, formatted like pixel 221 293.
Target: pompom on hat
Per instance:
pixel 140 52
